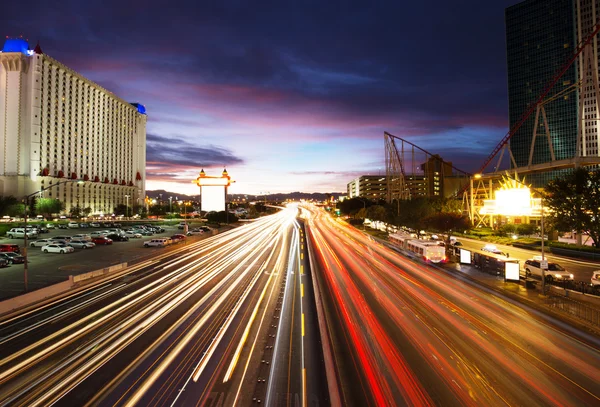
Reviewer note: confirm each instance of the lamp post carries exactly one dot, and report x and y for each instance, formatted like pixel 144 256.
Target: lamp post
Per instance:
pixel 127 207
pixel 170 204
pixel 25 266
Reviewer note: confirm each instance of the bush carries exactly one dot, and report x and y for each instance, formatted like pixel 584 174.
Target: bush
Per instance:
pixel 588 249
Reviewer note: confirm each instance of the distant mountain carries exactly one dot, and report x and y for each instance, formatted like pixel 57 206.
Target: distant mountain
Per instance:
pixel 163 195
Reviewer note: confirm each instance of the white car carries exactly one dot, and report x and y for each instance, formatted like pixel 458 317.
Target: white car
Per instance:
pixel 81 244
pixel 57 248
pixel 491 248
pixel 160 242
pixel 596 279
pixel 132 234
pixel 41 242
pixel 82 237
pixel 99 233
pixel 73 225
pixel 95 224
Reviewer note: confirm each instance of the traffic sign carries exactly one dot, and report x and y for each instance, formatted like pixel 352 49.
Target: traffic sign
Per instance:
pixel 544 264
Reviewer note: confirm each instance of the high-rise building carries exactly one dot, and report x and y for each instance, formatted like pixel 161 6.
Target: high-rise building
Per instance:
pixel 541 36
pixel 56 125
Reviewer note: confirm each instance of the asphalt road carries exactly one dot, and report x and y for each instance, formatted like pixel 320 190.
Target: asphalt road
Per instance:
pixel 193 326
pixel 405 333
pixel 581 269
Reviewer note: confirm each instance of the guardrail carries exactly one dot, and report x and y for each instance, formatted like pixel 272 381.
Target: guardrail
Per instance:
pixel 574 308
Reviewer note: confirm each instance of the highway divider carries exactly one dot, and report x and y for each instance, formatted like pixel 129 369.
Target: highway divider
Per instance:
pixel 46 293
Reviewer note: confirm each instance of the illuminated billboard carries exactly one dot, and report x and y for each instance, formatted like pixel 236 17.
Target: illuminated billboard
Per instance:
pixel 511 271
pixel 213 199
pixel 465 256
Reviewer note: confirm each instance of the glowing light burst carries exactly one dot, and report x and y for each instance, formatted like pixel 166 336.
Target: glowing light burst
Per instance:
pixel 512 199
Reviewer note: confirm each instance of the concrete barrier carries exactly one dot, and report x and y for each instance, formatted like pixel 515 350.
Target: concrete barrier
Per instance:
pixel 589 299
pixel 35 296
pixel 54 290
pixel 98 273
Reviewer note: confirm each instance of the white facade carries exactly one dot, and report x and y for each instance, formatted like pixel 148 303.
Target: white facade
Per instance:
pixel 57 125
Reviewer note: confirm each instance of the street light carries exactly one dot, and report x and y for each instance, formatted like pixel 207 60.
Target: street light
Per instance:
pixel 127 207
pixel 25 266
pixel 170 204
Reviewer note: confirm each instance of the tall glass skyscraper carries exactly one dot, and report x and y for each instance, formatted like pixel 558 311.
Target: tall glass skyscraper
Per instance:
pixel 541 36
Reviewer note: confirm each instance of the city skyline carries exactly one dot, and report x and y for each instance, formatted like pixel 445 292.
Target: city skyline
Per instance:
pixel 288 99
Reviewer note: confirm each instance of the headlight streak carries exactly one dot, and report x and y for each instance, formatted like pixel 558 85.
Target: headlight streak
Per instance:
pixel 279 265
pixel 135 325
pixel 192 331
pixel 294 242
pixel 136 297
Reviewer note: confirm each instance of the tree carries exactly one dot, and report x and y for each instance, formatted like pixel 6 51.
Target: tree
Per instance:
pixel 353 207
pixel 221 217
pixel 121 210
pixel 6 202
pixel 48 206
pixel 413 213
pixel 85 212
pixel 75 212
pixel 15 210
pixel 447 222
pixel 526 229
pixel 572 201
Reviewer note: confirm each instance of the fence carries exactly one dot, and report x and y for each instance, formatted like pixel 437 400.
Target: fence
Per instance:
pixel 575 308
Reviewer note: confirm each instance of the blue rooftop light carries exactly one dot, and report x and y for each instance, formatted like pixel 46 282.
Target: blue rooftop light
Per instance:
pixel 141 108
pixel 16 45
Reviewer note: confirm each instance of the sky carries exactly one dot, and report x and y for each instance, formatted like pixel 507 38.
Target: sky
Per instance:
pixel 288 96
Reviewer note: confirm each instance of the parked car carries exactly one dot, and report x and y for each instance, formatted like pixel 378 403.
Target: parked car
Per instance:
pixel 63 226
pixel 8 247
pixel 159 242
pixel 491 248
pixel 205 228
pixel 13 258
pixel 181 225
pixel 554 272
pixel 17 233
pixel 82 236
pixel 57 248
pixel 81 244
pixel 596 279
pixel 144 232
pixel 50 225
pixel 84 225
pixel 195 231
pixel 102 240
pixel 95 224
pixel 73 225
pixel 178 238
pixel 133 234
pixel 41 229
pixel 62 237
pixel 117 237
pixel 3 262
pixel 41 242
pixel 99 233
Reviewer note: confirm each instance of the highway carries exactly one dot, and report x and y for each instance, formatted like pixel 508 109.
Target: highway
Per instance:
pixel 406 333
pixel 207 324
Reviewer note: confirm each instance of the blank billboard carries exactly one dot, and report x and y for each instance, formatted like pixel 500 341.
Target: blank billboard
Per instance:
pixel 213 199
pixel 465 256
pixel 511 271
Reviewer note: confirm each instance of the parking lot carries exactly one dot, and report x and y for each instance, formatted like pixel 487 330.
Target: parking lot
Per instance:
pixel 50 268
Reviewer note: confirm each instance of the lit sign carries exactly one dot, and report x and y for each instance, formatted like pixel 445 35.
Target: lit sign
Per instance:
pixel 213 199
pixel 465 256
pixel 212 182
pixel 511 271
pixel 513 202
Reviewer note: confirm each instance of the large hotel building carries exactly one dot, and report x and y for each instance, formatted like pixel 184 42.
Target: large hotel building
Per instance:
pixel 57 126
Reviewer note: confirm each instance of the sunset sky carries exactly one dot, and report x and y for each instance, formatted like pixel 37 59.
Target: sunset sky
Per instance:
pixel 289 96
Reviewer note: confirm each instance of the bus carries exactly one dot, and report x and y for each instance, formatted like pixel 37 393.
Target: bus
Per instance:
pixel 427 250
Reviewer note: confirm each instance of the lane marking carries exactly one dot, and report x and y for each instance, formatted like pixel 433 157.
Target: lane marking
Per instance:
pixel 303 324
pixel 302 289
